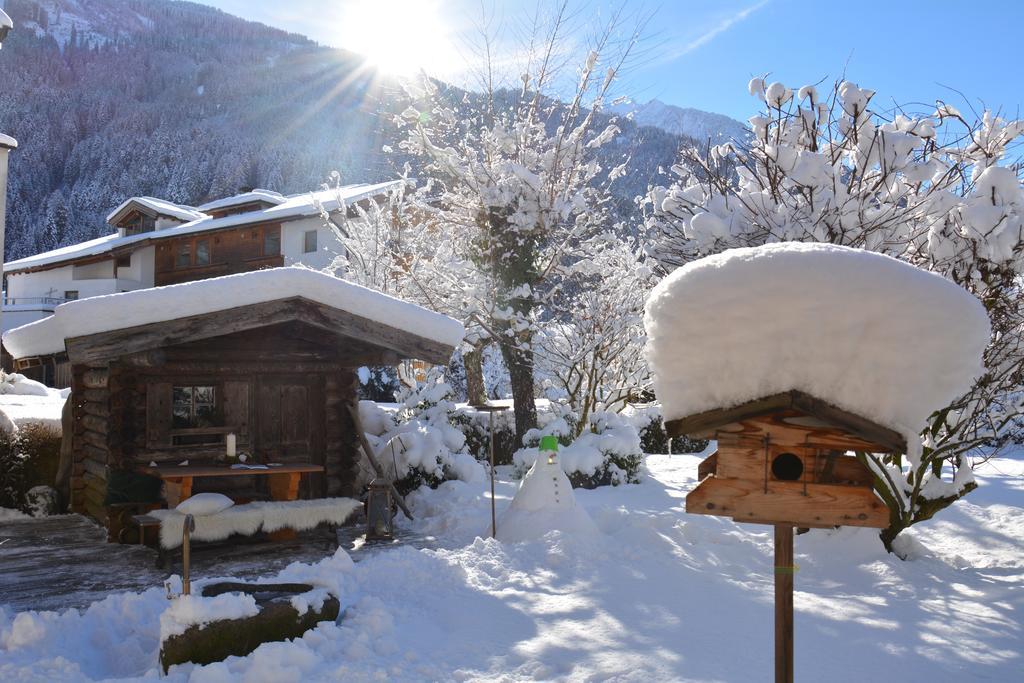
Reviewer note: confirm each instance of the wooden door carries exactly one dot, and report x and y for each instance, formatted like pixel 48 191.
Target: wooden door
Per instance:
pixel 290 424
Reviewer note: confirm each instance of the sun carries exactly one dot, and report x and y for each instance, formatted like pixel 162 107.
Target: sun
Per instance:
pixel 399 36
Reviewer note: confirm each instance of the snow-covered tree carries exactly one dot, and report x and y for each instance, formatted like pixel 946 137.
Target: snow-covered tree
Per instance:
pixel 401 247
pixel 594 354
pixel 517 177
pixel 932 189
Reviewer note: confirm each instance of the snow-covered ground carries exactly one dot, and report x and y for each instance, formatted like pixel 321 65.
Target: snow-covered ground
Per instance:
pixel 658 595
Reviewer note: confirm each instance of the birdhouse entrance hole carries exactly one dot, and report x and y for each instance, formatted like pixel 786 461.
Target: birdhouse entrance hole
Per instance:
pixel 787 467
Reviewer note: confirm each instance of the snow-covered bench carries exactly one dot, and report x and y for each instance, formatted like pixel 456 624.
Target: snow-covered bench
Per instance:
pixel 251 518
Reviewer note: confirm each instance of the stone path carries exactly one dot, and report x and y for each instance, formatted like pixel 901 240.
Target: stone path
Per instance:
pixel 64 561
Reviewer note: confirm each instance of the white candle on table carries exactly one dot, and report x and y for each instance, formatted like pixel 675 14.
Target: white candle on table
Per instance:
pixel 231 445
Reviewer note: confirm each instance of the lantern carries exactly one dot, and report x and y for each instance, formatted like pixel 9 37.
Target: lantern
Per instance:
pixel 379 512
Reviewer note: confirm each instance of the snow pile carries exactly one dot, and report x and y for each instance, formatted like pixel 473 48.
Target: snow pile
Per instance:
pixel 158 304
pixel 247 519
pixel 863 331
pixel 24 401
pixel 195 610
pixel 608 452
pixel 419 443
pixel 14 383
pixel 544 503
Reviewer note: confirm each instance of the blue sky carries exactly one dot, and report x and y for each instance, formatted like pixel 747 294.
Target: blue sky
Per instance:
pixel 703 53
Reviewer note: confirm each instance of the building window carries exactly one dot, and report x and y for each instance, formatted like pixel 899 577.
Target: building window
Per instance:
pixel 271 241
pixel 309 242
pixel 70 295
pixel 124 261
pixel 183 258
pixel 202 252
pixel 194 407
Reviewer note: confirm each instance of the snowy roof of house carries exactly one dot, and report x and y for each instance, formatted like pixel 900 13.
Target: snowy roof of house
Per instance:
pixel 255 195
pixel 161 207
pixel 5 21
pixel 294 206
pixel 8 141
pixel 78 319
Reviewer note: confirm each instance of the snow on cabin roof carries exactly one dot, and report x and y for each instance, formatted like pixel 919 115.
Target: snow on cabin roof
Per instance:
pixel 161 207
pixel 865 332
pixel 159 304
pixel 294 206
pixel 256 195
pixel 8 142
pixel 5 21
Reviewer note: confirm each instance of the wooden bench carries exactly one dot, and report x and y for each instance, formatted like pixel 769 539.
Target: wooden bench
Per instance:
pixel 271 518
pixel 142 522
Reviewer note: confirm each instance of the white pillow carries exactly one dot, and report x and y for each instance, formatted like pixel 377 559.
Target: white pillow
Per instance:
pixel 203 504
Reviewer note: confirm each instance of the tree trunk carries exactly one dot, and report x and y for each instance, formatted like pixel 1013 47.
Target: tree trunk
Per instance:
pixel 520 370
pixel 476 393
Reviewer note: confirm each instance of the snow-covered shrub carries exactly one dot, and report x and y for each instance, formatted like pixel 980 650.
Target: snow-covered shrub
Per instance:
pixel 419 445
pixel 608 453
pixel 653 438
pixel 378 384
pixel 14 383
pixel 29 456
pixel 476 427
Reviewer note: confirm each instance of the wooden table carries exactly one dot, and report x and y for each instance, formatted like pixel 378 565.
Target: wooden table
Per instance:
pixel 283 479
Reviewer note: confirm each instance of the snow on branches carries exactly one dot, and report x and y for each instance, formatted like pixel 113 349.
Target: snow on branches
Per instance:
pixel 932 189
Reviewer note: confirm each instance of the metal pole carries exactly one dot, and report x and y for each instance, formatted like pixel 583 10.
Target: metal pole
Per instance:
pixel 494 519
pixel 7 143
pixel 784 569
pixel 186 552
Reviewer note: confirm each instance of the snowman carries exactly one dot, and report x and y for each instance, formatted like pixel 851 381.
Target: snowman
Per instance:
pixel 544 502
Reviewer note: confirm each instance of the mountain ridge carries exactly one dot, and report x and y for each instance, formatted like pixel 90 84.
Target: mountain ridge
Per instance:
pixel 110 99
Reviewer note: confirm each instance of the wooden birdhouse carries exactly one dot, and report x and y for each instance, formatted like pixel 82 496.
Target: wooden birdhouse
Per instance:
pixel 783 460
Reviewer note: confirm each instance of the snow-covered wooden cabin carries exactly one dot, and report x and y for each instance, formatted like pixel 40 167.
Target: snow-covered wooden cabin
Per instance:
pixel 164 374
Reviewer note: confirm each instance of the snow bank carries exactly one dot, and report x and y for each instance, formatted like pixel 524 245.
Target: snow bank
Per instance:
pixel 863 331
pixel 157 304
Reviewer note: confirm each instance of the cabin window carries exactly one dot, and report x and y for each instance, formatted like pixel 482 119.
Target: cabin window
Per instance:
pixel 194 406
pixel 202 252
pixel 70 294
pixel 124 261
pixel 271 241
pixel 309 242
pixel 183 258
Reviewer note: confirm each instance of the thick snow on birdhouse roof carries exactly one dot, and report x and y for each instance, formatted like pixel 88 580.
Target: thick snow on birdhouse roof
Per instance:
pixel 866 332
pixel 158 304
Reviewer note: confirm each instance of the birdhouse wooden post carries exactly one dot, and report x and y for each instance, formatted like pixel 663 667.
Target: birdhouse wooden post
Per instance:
pixel 781 460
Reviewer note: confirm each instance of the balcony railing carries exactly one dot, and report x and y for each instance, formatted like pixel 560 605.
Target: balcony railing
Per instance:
pixel 34 301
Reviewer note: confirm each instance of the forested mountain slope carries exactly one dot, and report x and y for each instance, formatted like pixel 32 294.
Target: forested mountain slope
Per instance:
pixel 114 98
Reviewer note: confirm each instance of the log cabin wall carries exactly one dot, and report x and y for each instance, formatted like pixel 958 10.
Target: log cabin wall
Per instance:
pixel 231 251
pixel 285 399
pixel 90 446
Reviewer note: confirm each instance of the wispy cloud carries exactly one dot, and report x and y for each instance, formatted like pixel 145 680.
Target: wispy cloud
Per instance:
pixel 716 30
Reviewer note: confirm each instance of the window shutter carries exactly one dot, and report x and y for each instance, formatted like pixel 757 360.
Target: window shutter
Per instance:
pixel 158 414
